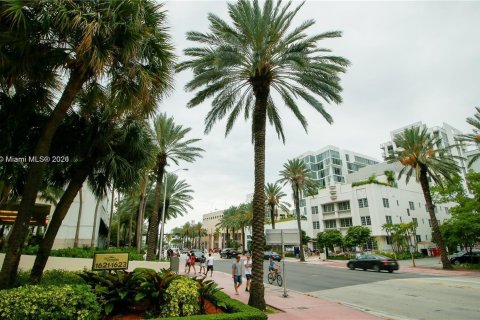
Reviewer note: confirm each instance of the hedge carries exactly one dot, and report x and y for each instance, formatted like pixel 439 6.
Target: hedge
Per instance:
pixel 236 310
pixel 49 303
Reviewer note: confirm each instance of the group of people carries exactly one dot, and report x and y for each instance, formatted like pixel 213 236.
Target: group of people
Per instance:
pixel 205 264
pixel 238 267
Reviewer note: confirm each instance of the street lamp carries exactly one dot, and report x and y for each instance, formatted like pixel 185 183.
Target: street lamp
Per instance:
pixel 160 246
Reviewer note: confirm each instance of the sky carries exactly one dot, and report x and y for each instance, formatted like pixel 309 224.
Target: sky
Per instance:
pixel 410 61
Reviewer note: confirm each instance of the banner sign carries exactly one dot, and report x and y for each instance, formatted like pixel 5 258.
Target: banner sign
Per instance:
pixel 110 261
pixel 274 236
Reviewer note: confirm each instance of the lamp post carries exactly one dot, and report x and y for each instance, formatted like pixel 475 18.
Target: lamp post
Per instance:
pixel 160 246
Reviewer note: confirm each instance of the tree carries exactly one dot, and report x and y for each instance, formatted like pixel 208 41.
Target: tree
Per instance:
pixel 84 41
pixel 357 236
pixel 239 64
pixel 473 138
pixel 390 175
pixel 418 154
pixel 274 195
pixel 172 144
pixel 329 239
pixel 297 174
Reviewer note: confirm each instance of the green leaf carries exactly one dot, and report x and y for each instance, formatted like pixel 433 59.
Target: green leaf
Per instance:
pixel 139 296
pixel 108 308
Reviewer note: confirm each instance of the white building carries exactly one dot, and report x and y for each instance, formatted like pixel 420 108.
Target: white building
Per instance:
pixel 331 164
pixel 66 234
pixel 341 206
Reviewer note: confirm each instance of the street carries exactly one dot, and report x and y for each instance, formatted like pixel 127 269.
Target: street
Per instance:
pixel 401 295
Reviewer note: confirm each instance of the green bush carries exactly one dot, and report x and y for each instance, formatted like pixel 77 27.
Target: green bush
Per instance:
pixel 181 298
pixel 49 303
pixel 54 277
pixel 234 308
pixel 400 256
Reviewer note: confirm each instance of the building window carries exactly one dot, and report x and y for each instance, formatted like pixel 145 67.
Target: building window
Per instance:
pixel 329 207
pixel 372 245
pixel 385 203
pixel 389 219
pixel 419 238
pixel 435 209
pixel 330 224
pixel 346 222
pixel 397 203
pixel 315 210
pixel 408 212
pixel 366 221
pixel 337 171
pixel 363 203
pixel 446 210
pixel 316 224
pixel 429 222
pixel 412 205
pixel 389 239
pixel 344 206
pixel 414 220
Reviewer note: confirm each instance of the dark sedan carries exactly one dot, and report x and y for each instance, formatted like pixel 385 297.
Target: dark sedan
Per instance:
pixel 228 253
pixel 466 257
pixel 373 261
pixel 268 254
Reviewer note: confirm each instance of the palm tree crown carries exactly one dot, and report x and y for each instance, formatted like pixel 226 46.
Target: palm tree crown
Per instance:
pixel 274 195
pixel 473 138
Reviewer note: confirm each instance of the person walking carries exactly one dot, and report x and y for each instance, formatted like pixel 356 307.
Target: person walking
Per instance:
pixel 237 271
pixel 192 263
pixel 202 265
pixel 248 271
pixel 187 263
pixel 209 265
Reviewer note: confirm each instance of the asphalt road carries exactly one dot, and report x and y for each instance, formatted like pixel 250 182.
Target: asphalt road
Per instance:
pixel 399 295
pixel 305 277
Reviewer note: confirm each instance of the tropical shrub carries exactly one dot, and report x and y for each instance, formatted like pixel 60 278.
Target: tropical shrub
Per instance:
pixel 181 298
pixel 49 303
pixel 85 252
pixel 54 277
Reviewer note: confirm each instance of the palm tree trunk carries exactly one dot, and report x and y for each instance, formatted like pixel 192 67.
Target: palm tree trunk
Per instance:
pixel 119 222
pixel 272 216
pixel 296 195
pixel 153 231
pixel 257 290
pixel 61 210
pixel 436 230
pixel 92 241
pixel 77 232
pixel 34 179
pixel 110 219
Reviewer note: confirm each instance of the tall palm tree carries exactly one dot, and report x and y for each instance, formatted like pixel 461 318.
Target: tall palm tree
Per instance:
pixel 172 144
pixel 238 64
pixel 297 174
pixel 116 153
pixel 79 218
pixel 274 195
pixel 473 138
pixel 243 220
pixel 84 41
pixel 418 153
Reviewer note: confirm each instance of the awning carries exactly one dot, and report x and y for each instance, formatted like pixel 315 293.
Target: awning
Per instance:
pixel 8 214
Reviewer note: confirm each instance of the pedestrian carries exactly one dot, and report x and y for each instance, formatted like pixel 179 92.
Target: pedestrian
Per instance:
pixel 192 263
pixel 237 270
pixel 248 272
pixel 187 264
pixel 202 265
pixel 209 265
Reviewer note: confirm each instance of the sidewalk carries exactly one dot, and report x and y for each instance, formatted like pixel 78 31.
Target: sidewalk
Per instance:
pixel 296 306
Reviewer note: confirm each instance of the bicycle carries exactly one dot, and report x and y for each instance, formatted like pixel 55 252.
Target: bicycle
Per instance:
pixel 275 276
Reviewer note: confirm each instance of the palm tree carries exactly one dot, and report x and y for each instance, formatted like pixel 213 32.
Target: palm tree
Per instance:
pixel 390 175
pixel 243 219
pixel 297 174
pixel 79 219
pixel 237 65
pixel 172 144
pixel 417 152
pixel 86 41
pixel 114 152
pixel 274 194
pixel 473 138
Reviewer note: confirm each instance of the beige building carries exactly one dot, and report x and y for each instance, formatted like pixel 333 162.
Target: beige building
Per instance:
pixel 217 238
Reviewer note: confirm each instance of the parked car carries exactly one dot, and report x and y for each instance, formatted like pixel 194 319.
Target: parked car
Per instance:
pixel 268 254
pixel 373 261
pixel 465 257
pixel 198 254
pixel 228 253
